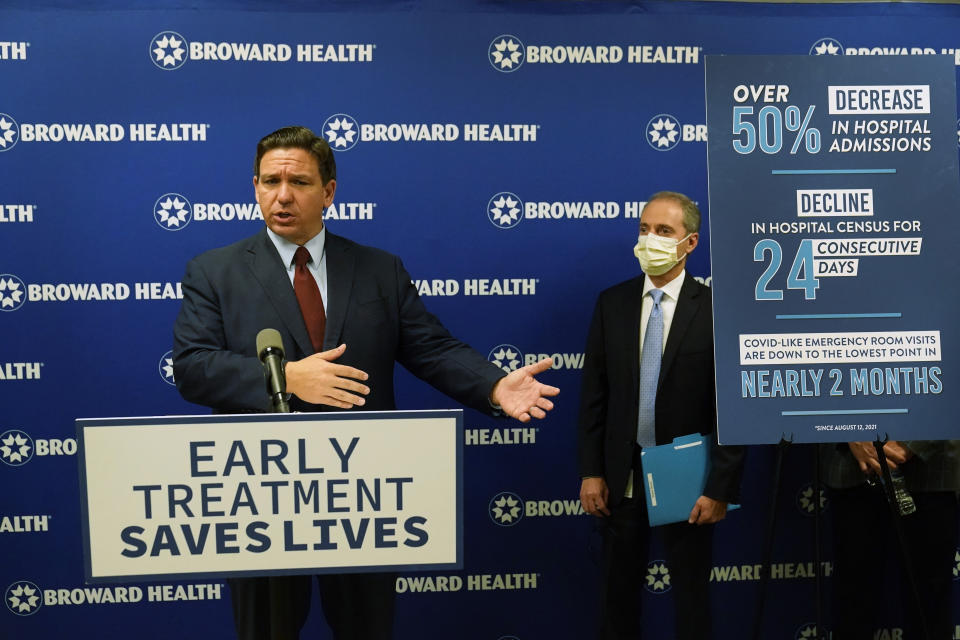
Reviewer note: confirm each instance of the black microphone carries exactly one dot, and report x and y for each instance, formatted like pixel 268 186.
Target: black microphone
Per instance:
pixel 270 352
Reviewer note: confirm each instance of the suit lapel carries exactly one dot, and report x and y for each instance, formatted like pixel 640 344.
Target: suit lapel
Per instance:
pixel 340 267
pixel 634 302
pixel 265 264
pixel 687 306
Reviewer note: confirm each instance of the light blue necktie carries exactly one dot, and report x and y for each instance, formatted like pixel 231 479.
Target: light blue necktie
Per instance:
pixel 650 357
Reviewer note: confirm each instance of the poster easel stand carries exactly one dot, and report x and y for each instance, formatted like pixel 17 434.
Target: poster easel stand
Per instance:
pixel 896 517
pixel 765 560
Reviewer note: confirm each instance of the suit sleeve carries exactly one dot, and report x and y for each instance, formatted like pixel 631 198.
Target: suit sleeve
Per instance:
pixel 206 371
pixel 429 352
pixel 594 391
pixel 726 470
pixel 726 463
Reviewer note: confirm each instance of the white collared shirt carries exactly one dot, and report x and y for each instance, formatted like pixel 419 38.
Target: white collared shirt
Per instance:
pixel 317 247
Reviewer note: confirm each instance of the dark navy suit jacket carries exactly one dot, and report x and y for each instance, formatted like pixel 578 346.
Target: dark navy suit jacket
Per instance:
pixel 231 293
pixel 686 396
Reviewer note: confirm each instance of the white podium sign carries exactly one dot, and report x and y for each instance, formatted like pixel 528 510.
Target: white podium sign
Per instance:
pixel 271 494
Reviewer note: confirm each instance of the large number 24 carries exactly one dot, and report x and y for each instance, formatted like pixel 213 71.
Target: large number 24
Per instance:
pixel 802 262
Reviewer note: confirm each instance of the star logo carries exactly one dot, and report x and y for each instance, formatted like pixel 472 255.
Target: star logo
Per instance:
pixel 663 132
pixel 23 598
pixel 826 47
pixel 506 356
pixel 172 211
pixel 168 50
pixel 505 210
pixel 166 368
pixel 9 132
pixel 341 131
pixel 805 500
pixel 956 565
pixel 506 509
pixel 658 577
pixel 808 630
pixel 506 53
pixel 16 447
pixel 12 291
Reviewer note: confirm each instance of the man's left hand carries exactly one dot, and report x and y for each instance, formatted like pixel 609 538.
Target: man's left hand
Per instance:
pixel 897 452
pixel 519 394
pixel 866 455
pixel 707 511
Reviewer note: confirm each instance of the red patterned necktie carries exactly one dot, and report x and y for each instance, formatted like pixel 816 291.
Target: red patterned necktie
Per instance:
pixel 308 296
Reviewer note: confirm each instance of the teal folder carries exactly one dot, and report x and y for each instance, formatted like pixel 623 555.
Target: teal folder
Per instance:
pixel 674 476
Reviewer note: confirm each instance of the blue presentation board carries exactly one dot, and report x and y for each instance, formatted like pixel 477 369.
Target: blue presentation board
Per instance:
pixel 830 252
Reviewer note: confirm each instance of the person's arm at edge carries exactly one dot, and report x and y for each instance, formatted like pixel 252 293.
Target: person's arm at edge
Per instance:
pixel 594 493
pixel 205 371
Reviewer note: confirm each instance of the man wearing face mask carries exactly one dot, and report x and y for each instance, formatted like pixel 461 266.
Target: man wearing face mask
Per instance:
pixel 648 378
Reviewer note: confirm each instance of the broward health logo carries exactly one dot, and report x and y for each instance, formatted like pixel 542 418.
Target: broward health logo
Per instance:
pixel 341 131
pixel 506 509
pixel 16 447
pixel 805 500
pixel 826 47
pixel 506 356
pixel 808 630
pixel 166 368
pixel 506 53
pixel 172 211
pixel 663 132
pixel 658 577
pixel 505 210
pixel 23 598
pixel 11 292
pixel 168 50
pixel 9 132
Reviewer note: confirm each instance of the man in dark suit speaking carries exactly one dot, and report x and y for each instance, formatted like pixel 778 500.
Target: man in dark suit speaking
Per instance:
pixel 346 313
pixel 648 378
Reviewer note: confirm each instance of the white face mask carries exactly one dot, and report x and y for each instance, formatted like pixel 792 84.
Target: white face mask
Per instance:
pixel 657 254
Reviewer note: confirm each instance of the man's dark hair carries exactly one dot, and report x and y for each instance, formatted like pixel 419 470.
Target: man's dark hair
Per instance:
pixel 299 138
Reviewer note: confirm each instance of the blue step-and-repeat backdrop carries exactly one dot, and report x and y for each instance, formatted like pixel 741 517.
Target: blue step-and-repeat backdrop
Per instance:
pixel 504 150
